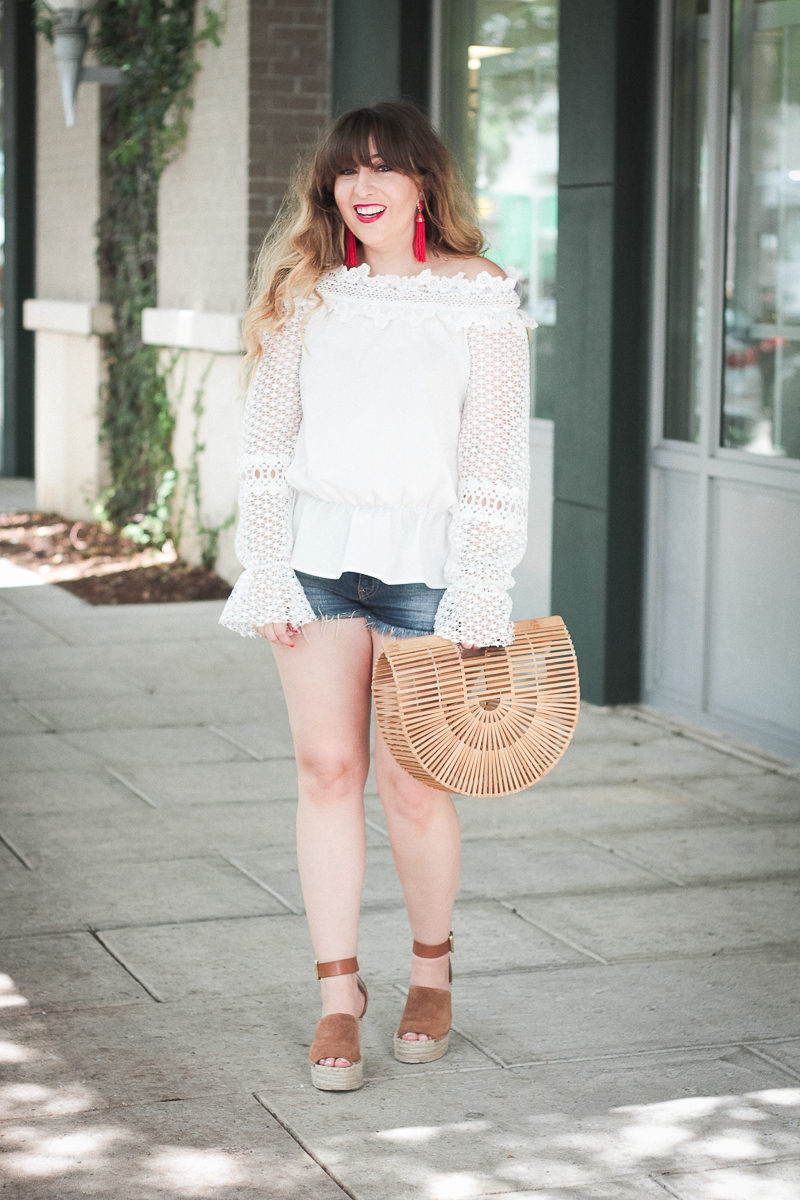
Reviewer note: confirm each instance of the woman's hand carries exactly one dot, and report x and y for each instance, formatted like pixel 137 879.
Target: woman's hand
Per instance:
pixel 278 633
pixel 469 649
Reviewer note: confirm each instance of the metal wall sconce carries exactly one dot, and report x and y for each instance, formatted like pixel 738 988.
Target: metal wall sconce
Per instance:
pixel 70 39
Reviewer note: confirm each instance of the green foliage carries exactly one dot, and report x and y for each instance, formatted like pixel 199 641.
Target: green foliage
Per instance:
pixel 209 535
pixel 153 42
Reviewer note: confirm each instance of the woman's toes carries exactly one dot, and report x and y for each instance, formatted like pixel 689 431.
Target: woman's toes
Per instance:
pixel 333 1062
pixel 415 1037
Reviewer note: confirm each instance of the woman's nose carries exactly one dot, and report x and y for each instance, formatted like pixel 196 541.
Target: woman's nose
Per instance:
pixel 364 182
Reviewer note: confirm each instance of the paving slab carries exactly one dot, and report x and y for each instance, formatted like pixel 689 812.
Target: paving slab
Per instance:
pixel 638 1187
pixel 553 862
pixel 670 756
pixel 104 1056
pixel 571 1012
pixel 14 718
pixel 246 956
pixel 28 680
pixel 129 893
pixel 41 598
pixel 607 724
pixel 121 747
pixel 39 751
pixel 225 1146
pixel 170 622
pixel 161 708
pixel 496 867
pixel 178 666
pixel 583 808
pixel 17 630
pixel 145 834
pixel 278 871
pixel 271 739
pixel 696 920
pixel 745 1181
pixel 225 783
pixel 769 795
pixel 12 861
pixel 786 1053
pixel 732 851
pixel 56 791
pixel 67 971
pixel 162 665
pixel 496 1132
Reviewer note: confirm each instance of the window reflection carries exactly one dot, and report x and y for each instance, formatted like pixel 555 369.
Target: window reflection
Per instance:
pixel 503 61
pixel 761 402
pixel 688 221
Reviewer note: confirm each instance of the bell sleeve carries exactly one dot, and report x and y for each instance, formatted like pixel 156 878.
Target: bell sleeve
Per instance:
pixel 488 531
pixel 268 589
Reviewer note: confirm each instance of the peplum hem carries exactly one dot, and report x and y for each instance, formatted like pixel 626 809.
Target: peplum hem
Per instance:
pixel 396 545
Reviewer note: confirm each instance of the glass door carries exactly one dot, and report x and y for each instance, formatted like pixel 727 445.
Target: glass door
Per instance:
pixel 722 639
pixel 761 397
pixel 500 115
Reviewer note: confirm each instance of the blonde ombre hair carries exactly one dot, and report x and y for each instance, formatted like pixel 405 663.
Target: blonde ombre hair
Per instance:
pixel 307 238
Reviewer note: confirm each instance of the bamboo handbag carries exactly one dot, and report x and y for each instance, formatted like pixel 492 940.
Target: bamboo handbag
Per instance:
pixel 483 725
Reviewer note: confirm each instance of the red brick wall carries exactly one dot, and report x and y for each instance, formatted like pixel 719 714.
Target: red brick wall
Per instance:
pixel 290 97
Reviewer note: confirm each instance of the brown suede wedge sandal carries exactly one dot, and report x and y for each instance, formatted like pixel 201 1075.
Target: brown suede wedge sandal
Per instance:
pixel 428 1010
pixel 337 1036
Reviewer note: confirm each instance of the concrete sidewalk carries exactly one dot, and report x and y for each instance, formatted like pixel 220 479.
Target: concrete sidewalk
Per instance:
pixel 626 992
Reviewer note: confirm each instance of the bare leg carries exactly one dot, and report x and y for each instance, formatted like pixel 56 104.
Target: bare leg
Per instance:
pixel 326 681
pixel 426 845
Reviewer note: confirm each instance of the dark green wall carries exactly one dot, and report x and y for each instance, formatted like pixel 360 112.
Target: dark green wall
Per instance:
pixel 607 93
pixel 19 147
pixel 381 51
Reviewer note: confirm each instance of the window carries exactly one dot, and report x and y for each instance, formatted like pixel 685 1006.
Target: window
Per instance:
pixel 500 115
pixel 761 394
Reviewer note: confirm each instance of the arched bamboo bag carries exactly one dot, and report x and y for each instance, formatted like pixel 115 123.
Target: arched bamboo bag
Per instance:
pixel 486 725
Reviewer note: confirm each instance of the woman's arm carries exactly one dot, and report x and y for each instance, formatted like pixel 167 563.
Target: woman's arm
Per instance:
pixel 489 528
pixel 268 589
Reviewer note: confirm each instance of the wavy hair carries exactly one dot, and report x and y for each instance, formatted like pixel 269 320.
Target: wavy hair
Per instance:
pixel 307 238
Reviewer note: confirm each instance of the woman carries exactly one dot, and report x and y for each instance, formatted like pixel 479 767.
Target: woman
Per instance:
pixel 383 494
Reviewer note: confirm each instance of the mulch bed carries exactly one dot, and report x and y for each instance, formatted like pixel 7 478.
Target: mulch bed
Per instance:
pixel 95 562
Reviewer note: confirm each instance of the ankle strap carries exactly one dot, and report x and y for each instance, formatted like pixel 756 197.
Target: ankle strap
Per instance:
pixel 341 966
pixel 423 951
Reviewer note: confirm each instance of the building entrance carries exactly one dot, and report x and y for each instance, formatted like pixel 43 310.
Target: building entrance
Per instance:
pixel 722 634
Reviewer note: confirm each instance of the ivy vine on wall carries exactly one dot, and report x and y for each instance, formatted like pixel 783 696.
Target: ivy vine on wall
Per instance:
pixel 144 126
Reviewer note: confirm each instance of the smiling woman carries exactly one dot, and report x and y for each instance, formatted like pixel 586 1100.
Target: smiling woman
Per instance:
pixel 383 494
pixel 378 205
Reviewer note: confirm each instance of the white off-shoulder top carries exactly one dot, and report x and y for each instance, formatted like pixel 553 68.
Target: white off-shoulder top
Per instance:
pixel 386 433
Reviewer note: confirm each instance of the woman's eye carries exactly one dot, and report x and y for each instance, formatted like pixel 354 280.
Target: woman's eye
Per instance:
pixel 347 171
pixel 382 167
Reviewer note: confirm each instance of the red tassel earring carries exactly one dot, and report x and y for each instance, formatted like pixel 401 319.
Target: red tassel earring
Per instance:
pixel 351 249
pixel 419 235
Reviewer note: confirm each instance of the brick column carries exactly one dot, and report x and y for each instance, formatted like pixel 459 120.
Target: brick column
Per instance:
pixel 290 97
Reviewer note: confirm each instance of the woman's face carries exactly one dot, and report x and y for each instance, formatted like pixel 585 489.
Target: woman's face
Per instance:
pixel 379 205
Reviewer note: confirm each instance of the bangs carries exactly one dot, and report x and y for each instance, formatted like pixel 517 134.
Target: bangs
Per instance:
pixel 348 145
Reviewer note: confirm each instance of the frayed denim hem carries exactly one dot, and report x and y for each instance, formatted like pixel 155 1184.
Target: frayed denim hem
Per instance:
pixel 396 631
pixel 381 627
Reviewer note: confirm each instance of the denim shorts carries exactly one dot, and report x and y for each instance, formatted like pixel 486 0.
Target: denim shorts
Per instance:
pixel 394 609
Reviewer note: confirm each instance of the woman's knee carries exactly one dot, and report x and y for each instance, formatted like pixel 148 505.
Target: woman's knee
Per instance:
pixel 329 774
pixel 409 800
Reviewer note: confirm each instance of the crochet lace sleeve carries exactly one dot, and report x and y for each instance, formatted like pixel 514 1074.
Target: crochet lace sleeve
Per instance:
pixel 488 531
pixel 268 589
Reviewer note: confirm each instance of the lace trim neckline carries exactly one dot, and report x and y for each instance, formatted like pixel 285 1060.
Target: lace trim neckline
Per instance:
pixel 459 282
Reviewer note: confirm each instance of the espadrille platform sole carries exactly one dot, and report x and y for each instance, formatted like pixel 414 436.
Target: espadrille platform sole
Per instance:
pixel 428 1011
pixel 337 1036
pixel 427 1050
